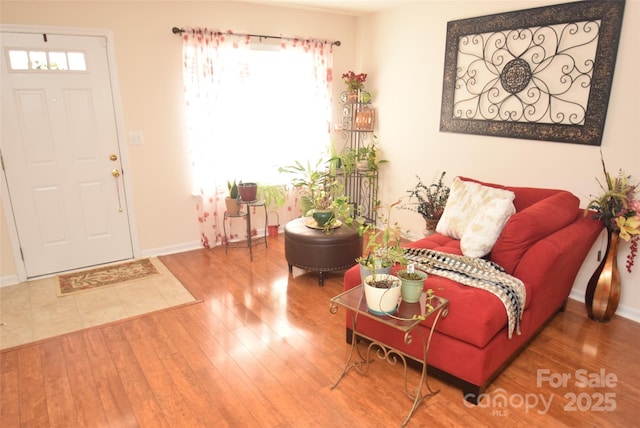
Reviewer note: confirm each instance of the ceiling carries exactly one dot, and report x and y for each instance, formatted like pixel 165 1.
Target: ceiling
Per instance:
pixel 347 7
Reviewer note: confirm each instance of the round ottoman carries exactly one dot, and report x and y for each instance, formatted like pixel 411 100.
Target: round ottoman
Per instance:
pixel 314 250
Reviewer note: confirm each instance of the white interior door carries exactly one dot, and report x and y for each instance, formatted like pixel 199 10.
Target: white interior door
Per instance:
pixel 61 154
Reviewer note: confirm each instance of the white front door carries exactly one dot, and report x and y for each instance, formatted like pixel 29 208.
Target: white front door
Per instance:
pixel 60 152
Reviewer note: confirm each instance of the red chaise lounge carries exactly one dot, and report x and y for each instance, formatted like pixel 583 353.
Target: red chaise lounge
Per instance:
pixel 543 244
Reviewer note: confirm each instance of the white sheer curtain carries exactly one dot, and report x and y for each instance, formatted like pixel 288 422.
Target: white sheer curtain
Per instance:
pixel 250 109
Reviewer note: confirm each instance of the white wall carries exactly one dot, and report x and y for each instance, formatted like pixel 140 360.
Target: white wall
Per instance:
pixel 403 52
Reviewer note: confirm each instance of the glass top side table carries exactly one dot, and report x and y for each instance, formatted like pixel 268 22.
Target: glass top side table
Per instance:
pixel 407 317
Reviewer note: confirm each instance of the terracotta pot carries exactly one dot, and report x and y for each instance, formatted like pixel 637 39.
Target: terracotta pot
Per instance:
pixel 602 295
pixel 233 206
pixel 352 96
pixel 273 230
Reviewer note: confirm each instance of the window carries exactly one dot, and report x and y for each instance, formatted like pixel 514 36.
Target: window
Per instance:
pixel 271 116
pixel 249 111
pixel 267 112
pixel 22 60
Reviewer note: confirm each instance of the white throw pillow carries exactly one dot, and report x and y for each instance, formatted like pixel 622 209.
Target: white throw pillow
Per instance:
pixel 482 233
pixel 469 201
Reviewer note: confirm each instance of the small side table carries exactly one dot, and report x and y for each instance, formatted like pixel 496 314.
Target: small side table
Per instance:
pixel 405 320
pixel 246 214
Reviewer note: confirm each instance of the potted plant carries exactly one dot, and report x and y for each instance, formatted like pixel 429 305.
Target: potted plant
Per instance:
pixel 355 84
pixel 428 200
pixel 412 283
pixel 382 290
pixel 308 180
pixel 322 207
pixel 364 158
pixel 233 200
pixel 248 191
pixel 331 207
pixel 346 160
pixel 274 197
pixel 368 156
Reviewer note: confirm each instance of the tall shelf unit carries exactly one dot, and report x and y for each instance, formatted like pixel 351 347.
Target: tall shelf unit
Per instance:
pixel 360 181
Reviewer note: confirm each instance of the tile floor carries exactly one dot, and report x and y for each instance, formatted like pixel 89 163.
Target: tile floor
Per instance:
pixel 31 311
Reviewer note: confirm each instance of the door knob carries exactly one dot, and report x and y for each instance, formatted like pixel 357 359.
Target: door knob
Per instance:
pixel 115 173
pixel 113 157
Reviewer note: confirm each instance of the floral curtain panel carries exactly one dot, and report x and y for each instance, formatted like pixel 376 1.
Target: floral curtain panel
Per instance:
pixel 214 65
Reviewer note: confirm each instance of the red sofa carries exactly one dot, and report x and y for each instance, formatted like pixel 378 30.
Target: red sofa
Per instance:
pixel 543 244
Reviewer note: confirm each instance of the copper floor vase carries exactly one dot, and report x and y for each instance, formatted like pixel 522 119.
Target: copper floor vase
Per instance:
pixel 603 290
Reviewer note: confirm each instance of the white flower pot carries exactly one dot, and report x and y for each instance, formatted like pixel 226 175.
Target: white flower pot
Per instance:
pixel 382 301
pixel 365 272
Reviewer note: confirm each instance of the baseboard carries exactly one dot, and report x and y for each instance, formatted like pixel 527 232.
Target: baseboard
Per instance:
pixel 8 280
pixel 623 311
pixel 187 246
pixel 5 281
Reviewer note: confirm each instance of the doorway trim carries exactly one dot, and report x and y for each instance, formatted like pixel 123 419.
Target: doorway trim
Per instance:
pixel 119 122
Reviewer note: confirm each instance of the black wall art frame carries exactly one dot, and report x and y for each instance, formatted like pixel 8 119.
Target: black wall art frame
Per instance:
pixel 537 74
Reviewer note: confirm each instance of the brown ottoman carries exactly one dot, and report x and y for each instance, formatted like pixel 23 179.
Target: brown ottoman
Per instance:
pixel 314 250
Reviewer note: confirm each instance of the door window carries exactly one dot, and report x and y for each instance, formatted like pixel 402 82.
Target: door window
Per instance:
pixel 21 60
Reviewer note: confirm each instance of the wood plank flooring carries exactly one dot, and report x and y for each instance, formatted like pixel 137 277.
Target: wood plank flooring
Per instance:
pixel 262 350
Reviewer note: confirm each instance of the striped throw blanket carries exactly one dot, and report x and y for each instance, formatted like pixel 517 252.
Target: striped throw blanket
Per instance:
pixel 476 273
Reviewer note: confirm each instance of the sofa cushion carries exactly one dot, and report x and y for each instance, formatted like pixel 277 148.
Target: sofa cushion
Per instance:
pixel 475 316
pixel 438 242
pixel 468 208
pixel 525 228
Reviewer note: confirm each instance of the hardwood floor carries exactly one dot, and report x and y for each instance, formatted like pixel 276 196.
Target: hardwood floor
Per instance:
pixel 262 350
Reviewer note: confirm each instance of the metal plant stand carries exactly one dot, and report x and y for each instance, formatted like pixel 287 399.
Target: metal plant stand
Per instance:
pixel 251 241
pixel 360 185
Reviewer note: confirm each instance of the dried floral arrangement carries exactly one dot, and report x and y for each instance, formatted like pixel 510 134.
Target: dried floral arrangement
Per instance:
pixel 618 208
pixel 428 200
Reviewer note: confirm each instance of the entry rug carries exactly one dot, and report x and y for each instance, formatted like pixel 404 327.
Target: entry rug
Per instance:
pixel 77 282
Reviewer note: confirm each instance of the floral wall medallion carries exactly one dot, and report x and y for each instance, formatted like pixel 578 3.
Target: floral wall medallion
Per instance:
pixel 541 74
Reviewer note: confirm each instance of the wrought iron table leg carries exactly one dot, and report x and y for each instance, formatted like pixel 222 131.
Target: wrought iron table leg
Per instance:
pixel 354 349
pixel 249 232
pixel 424 376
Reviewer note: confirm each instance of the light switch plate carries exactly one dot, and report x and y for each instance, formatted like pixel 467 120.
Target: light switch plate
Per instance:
pixel 136 138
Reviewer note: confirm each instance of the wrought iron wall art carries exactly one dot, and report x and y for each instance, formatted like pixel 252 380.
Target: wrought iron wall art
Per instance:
pixel 540 74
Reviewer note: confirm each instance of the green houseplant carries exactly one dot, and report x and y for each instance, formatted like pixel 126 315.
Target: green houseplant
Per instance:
pixel 308 180
pixel 362 158
pixel 428 200
pixel 382 290
pixel 383 247
pixel 412 283
pixel 331 206
pixel 232 201
pixel 274 197
pixel 321 195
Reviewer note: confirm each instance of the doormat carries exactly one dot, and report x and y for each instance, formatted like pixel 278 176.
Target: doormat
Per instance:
pixel 77 282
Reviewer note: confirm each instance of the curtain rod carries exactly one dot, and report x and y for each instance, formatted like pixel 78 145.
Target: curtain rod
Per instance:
pixel 176 30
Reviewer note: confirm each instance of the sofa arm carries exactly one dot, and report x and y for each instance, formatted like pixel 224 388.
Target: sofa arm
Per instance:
pixel 551 265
